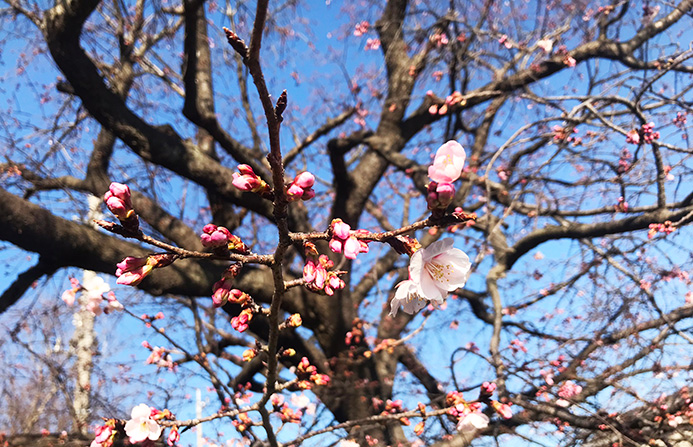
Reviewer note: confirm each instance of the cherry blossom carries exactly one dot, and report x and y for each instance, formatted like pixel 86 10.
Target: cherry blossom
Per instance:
pixel 546 45
pixel 448 163
pixel 433 272
pixel 438 269
pixel 472 422
pixel 141 426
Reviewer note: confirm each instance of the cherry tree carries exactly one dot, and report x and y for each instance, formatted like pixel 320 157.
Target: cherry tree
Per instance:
pixel 419 223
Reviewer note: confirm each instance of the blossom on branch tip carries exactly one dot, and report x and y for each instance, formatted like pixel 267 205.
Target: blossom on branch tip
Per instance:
pixel 131 271
pixel 118 201
pixel 247 180
pixel 141 426
pixel 344 240
pixel 302 187
pixel 448 163
pixel 213 236
pixel 433 272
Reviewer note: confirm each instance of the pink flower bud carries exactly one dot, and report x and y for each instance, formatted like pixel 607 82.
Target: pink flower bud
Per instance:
pixel 446 192
pixel 352 248
pixel 340 229
pixel 214 236
pixel 131 271
pixel 247 180
pixel 305 180
pixel 117 199
pixel 222 290
pixel 294 192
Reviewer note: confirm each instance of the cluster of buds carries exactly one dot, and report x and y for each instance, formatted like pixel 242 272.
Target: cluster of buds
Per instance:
pixel 222 290
pixel 568 60
pixel 285 413
pixel 159 356
pixel 440 39
pixel 439 195
pixel 318 278
pixel 372 44
pixel 308 375
pixel 487 390
pixel 451 101
pixel 243 422
pixel 624 162
pixel 221 238
pixel 388 406
pixel 361 28
pixel 468 414
pixel 118 201
pixel 564 135
pixel 105 434
pixel 622 206
pixel 356 334
pixel 302 187
pixel 240 322
pixel 666 228
pixel 344 240
pixel 503 409
pixel 680 120
pixel 567 391
pixel 648 133
pixel 248 181
pixel 131 271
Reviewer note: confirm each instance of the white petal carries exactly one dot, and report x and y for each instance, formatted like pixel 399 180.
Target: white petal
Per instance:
pixel 429 288
pixel 437 248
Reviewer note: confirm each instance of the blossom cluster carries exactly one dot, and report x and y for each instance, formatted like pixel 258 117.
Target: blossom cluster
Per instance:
pixel 308 375
pixel 93 290
pixel 451 100
pixel 646 134
pixel 159 356
pixel 318 278
pixel 345 241
pixel 220 237
pixel 667 228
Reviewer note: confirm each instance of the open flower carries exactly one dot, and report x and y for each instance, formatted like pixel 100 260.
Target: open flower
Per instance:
pixel 407 296
pixel 433 272
pixel 448 163
pixel 141 426
pixel 471 422
pixel 438 269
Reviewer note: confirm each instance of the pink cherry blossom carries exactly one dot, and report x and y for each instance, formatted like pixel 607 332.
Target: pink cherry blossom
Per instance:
pixel 448 163
pixel 439 269
pixel 433 272
pixel 141 426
